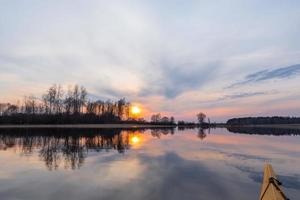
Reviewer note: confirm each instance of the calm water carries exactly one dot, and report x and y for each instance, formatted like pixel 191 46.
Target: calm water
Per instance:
pixel 145 164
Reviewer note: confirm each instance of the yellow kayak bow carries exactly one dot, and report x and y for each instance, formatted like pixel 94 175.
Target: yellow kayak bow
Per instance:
pixel 270 189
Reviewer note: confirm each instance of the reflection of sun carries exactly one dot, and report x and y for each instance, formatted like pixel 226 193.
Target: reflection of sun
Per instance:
pixel 135 110
pixel 135 139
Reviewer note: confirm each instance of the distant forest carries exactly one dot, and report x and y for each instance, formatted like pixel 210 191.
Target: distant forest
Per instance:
pixel 263 120
pixel 71 107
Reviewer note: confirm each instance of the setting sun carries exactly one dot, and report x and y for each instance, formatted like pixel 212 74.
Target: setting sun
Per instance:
pixel 135 110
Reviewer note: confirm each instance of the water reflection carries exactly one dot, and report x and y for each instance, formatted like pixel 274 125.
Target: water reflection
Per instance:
pixel 159 132
pixel 290 181
pixel 151 164
pixel 202 133
pixel 71 146
pixel 264 131
pixel 135 139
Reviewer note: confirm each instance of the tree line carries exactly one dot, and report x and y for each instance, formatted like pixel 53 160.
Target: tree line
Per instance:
pixel 72 106
pixel 158 119
pixel 202 121
pixel 59 106
pixel 263 120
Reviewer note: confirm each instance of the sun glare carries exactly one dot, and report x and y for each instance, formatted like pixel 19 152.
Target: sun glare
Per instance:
pixel 135 110
pixel 135 139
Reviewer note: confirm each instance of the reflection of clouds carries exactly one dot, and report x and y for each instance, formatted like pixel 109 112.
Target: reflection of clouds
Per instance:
pixel 115 169
pixel 244 156
pixel 224 149
pixel 125 171
pixel 289 181
pixel 167 176
pixel 178 178
pixel 216 146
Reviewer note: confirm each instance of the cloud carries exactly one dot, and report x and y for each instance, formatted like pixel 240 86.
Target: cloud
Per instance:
pixel 243 95
pixel 172 80
pixel 145 51
pixel 264 75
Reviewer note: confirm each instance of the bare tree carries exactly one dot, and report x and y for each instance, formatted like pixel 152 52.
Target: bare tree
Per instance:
pixel 83 96
pixel 76 99
pixel 201 117
pixel 8 109
pixel 45 99
pixel 59 99
pixel 156 118
pixel 91 107
pixel 68 101
pixel 3 107
pixel 165 119
pixel 30 105
pixel 172 120
pixel 52 100
pixel 51 97
pixel 127 110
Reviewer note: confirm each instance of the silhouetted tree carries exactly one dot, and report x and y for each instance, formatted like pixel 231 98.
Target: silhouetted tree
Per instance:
pixel 165 120
pixel 83 96
pixel 121 108
pixel 156 118
pixel 30 105
pixel 12 109
pixel 68 101
pixel 201 117
pixel 172 120
pixel 59 99
pixel 76 104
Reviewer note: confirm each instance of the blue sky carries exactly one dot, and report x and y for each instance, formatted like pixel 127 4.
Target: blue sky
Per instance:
pixel 226 58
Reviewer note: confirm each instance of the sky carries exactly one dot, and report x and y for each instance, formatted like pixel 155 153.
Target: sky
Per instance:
pixel 227 58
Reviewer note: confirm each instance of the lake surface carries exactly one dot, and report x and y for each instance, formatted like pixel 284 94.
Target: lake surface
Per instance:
pixel 154 164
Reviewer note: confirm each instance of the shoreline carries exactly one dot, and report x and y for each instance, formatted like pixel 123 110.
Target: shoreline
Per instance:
pixel 86 126
pixel 288 126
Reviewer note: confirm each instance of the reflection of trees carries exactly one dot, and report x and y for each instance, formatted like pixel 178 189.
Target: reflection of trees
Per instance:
pixel 183 128
pixel 49 151
pixel 68 146
pixel 157 132
pixel 201 133
pixel 264 130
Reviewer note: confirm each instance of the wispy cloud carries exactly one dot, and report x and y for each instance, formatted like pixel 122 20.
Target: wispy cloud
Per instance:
pixel 280 73
pixel 243 95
